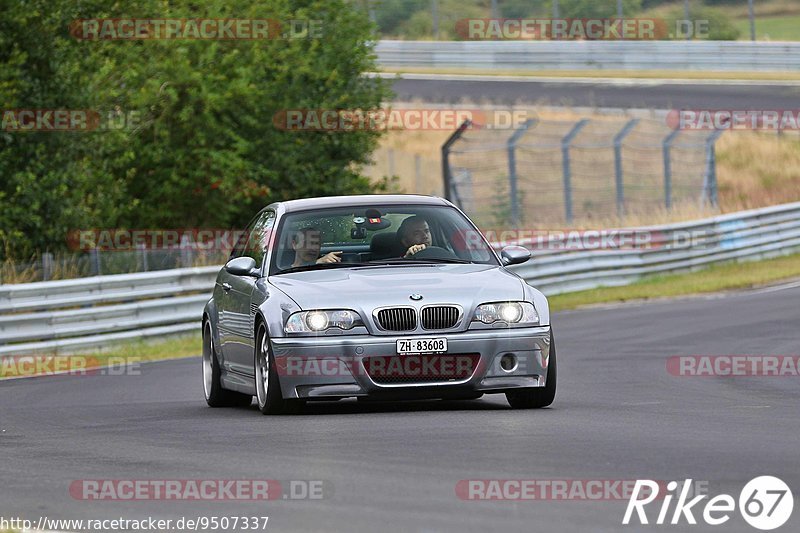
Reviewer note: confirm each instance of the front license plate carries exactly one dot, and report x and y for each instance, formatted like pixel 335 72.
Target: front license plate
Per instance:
pixel 416 346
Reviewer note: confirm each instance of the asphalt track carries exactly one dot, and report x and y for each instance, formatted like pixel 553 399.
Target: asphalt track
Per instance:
pixel 394 467
pixel 642 94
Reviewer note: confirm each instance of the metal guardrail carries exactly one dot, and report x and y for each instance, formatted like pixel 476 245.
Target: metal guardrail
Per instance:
pixel 61 316
pixel 747 235
pixel 55 316
pixel 592 55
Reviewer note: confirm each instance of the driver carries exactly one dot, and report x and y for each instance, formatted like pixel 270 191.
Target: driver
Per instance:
pixel 306 244
pixel 414 234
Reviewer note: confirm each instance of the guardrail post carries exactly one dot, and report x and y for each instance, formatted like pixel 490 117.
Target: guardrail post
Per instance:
pixel 94 261
pixel 446 175
pixel 47 266
pixel 565 162
pixel 187 251
pixel 512 169
pixel 141 251
pixel 710 177
pixel 618 138
pixel 667 148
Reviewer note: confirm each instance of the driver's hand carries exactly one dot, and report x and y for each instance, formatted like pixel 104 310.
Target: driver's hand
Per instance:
pixel 331 257
pixel 414 249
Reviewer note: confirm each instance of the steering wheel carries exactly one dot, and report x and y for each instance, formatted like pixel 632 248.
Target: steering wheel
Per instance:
pixel 433 252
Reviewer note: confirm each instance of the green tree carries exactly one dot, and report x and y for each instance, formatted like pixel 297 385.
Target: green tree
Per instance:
pixel 204 151
pixel 589 9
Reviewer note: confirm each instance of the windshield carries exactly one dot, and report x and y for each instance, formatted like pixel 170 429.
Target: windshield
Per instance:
pixel 378 235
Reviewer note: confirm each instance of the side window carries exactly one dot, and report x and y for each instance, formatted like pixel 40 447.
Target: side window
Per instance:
pixel 259 236
pixel 241 239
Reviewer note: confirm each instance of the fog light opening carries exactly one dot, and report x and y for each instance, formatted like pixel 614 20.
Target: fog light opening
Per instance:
pixel 508 362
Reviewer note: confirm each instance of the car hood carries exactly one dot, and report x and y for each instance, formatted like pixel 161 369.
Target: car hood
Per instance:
pixel 365 288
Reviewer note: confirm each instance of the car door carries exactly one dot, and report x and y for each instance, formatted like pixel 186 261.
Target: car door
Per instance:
pixel 222 295
pixel 240 313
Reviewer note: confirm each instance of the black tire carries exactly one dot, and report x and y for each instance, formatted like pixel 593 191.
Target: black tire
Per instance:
pixel 216 396
pixel 537 397
pixel 271 403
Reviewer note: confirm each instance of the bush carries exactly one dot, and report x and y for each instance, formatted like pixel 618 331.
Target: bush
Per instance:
pixel 720 27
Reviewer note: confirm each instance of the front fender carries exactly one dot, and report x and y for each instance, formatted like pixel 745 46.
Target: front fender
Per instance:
pixel 540 302
pixel 210 313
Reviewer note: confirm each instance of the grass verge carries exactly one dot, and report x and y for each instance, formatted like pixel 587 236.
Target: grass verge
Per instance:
pixel 726 276
pixel 115 356
pixel 771 28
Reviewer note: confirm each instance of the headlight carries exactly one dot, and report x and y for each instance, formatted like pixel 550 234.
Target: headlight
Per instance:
pixel 320 320
pixel 508 312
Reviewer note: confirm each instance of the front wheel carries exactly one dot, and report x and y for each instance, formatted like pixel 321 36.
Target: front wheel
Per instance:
pixel 216 396
pixel 537 397
pixel 268 388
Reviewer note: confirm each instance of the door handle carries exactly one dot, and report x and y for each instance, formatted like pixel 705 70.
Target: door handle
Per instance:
pixel 226 287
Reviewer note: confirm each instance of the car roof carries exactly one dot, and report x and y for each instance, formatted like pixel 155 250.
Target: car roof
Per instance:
pixel 363 200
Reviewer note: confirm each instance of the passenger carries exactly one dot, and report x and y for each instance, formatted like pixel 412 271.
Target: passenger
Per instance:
pixel 306 244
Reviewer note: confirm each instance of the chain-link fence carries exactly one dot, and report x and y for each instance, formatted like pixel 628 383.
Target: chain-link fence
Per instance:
pixel 557 172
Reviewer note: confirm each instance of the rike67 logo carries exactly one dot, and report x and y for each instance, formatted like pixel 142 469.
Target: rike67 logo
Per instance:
pixel 765 503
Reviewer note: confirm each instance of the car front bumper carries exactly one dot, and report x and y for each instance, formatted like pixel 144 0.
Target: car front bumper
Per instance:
pixel 332 367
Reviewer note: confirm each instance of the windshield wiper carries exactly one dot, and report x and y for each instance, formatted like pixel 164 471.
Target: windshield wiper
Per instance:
pixel 319 266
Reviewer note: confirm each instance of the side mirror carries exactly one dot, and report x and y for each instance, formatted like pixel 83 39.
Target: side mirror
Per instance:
pixel 242 266
pixel 514 255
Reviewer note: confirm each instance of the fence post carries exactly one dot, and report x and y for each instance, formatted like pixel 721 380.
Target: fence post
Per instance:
pixel 512 169
pixel 446 175
pixel 667 147
pixel 565 162
pixel 47 266
pixel 620 184
pixel 390 157
pixel 418 174
pixel 710 177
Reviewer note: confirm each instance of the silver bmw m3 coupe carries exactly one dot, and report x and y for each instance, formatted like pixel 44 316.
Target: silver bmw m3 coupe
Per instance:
pixel 385 297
